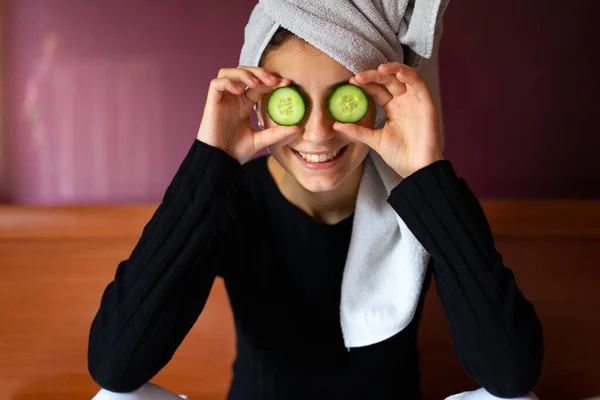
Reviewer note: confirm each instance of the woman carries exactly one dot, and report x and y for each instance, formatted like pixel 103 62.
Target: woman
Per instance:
pixel 278 230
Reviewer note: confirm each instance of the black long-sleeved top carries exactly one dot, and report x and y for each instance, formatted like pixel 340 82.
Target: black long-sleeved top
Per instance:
pixel 283 274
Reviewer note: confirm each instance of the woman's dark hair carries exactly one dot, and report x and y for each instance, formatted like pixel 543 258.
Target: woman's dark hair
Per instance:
pixel 281 36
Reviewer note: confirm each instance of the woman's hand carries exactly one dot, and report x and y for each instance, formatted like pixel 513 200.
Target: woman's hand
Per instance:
pixel 226 120
pixel 410 138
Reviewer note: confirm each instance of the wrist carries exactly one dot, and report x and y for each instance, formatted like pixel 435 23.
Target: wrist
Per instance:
pixel 425 162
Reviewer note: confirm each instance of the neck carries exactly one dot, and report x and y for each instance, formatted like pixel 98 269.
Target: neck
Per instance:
pixel 328 207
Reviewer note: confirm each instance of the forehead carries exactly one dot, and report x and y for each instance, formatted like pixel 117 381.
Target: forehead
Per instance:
pixel 305 65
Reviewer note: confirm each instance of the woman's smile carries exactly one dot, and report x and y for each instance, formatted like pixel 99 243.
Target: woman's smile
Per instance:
pixel 320 160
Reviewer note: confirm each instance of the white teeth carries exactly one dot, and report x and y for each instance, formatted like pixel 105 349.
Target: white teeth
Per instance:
pixel 319 158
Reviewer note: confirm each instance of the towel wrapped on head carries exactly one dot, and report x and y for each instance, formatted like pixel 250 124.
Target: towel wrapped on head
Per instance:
pixel 386 265
pixel 359 34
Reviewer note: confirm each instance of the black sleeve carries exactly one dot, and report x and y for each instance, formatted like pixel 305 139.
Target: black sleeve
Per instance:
pixel 159 292
pixel 496 333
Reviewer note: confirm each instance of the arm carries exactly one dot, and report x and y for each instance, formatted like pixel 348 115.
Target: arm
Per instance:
pixel 158 293
pixel 496 333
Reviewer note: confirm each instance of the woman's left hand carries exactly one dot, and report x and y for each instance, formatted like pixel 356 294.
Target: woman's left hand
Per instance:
pixel 410 139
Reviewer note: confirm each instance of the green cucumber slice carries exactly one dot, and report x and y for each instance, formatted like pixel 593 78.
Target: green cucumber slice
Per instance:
pixel 286 106
pixel 348 103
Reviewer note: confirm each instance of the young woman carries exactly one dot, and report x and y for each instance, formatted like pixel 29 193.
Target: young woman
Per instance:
pixel 277 229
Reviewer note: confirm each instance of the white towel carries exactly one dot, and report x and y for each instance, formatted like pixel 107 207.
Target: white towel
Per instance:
pixel 150 391
pixel 482 394
pixel 386 264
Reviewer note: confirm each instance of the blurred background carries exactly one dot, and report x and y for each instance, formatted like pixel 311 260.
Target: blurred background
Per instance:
pixel 101 99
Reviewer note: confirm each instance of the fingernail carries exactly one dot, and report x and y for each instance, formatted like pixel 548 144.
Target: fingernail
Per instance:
pixel 255 80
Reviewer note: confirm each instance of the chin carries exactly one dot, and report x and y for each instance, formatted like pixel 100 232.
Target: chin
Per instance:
pixel 319 184
pixel 329 173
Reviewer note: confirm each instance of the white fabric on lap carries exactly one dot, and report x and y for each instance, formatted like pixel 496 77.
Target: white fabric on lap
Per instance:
pixel 149 391
pixel 482 394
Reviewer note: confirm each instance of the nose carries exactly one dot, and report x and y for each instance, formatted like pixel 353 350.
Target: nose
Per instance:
pixel 318 125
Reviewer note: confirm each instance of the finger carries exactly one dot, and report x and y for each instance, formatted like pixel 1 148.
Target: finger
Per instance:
pixel 413 81
pixel 394 67
pixel 407 75
pixel 251 77
pixel 257 93
pixel 379 93
pixel 273 135
pixel 240 76
pixel 262 74
pixel 391 83
pixel 218 86
pixel 359 133
pixel 269 79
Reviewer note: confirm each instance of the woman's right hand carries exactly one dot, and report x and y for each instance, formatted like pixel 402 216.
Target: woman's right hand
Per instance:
pixel 226 120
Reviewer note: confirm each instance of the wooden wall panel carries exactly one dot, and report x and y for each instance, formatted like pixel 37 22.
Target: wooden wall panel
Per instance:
pixel 55 262
pixel 50 291
pixel 560 276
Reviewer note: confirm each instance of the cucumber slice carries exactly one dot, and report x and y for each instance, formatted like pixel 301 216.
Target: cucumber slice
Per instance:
pixel 348 103
pixel 286 106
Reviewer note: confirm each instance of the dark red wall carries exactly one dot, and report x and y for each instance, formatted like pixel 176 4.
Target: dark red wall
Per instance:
pixel 521 94
pixel 122 97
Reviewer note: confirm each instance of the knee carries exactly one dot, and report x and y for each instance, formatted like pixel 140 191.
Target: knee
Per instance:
pixel 482 394
pixel 149 391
